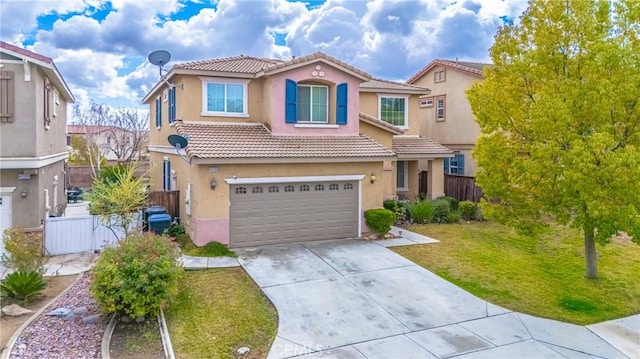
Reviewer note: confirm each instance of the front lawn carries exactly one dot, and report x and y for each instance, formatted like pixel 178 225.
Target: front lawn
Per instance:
pixel 542 276
pixel 218 311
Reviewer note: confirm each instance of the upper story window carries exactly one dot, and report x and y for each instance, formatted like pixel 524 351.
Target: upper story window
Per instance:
pixel 224 97
pixel 440 108
pixel 172 104
pixel 310 103
pixel 439 76
pixel 313 102
pixel 393 110
pixel 158 112
pixel 47 105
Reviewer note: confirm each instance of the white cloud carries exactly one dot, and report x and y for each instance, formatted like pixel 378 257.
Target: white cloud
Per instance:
pixel 390 39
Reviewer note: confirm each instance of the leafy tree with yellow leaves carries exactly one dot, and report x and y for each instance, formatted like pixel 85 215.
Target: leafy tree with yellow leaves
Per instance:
pixel 559 113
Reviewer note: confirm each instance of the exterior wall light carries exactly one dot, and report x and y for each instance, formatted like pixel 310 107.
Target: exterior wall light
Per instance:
pixel 24 193
pixel 213 183
pixel 372 178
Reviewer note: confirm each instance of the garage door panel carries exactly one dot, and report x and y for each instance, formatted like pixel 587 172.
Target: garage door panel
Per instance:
pixel 292 212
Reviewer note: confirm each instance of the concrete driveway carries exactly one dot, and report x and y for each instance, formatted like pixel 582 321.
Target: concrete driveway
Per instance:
pixel 357 299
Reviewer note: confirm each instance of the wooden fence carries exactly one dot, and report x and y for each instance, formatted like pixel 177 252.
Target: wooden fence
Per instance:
pixel 462 188
pixel 168 199
pixel 82 176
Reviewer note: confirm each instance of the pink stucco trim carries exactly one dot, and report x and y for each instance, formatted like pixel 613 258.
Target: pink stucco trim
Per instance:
pixel 206 230
pixel 332 76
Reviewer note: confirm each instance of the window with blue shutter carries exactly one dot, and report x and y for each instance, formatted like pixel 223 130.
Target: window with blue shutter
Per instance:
pixel 166 174
pixel 341 104
pixel 158 112
pixel 172 104
pixel 290 98
pixel 454 165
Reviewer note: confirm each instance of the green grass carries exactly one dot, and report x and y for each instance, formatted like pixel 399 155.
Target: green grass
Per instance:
pixel 542 276
pixel 211 249
pixel 218 311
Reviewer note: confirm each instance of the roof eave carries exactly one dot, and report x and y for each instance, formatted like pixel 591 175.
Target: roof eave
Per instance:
pixel 289 67
pixel 252 160
pixel 394 130
pixel 421 156
pixel 395 91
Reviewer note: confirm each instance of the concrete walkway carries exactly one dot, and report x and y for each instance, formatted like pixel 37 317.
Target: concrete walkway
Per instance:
pixel 357 299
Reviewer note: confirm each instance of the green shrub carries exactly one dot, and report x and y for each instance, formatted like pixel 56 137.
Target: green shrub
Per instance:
pixel 441 209
pixel 468 210
pixel 22 285
pixel 453 203
pixel 396 207
pixel 23 251
pixel 379 220
pixel 211 249
pixel 453 216
pixel 406 205
pixel 175 230
pixel 138 277
pixel 422 212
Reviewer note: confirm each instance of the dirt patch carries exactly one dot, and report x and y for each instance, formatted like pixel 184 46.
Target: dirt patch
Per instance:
pixel 55 286
pixel 137 341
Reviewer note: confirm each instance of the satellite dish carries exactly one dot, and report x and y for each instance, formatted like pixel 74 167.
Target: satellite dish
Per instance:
pixel 159 57
pixel 177 141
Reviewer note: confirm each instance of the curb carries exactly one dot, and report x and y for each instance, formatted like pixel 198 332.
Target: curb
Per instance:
pixel 12 341
pixel 106 338
pixel 166 339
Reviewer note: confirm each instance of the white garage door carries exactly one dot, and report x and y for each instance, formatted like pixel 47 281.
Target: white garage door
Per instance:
pixel 273 213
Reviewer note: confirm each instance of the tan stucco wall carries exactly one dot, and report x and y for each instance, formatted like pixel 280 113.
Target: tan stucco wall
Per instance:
pixel 29 212
pixel 377 134
pixel 213 205
pixel 459 130
pixel 26 136
pixel 435 184
pixel 369 105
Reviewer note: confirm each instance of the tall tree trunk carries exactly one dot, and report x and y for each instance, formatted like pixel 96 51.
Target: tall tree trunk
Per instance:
pixel 590 255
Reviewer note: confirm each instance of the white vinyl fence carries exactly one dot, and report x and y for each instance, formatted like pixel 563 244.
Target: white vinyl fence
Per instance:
pixel 79 234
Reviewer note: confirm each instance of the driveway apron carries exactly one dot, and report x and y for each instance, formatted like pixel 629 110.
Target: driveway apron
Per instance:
pixel 357 299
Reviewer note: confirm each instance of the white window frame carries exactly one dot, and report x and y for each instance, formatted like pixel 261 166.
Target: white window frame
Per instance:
pixel 224 81
pixel 311 86
pixel 444 108
pixel 406 109
pixel 56 102
pixel 406 176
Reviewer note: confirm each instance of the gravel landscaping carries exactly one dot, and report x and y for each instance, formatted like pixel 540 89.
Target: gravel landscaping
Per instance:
pixel 74 335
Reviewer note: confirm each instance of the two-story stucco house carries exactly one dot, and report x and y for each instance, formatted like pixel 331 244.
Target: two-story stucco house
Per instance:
pixel 33 121
pixel 282 151
pixel 446 112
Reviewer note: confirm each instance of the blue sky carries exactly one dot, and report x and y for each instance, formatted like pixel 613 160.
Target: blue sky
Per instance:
pixel 101 46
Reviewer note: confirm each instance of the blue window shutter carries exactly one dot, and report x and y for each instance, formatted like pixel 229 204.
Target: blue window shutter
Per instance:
pixel 341 104
pixel 460 164
pixel 158 112
pixel 166 174
pixel 446 165
pixel 172 104
pixel 290 98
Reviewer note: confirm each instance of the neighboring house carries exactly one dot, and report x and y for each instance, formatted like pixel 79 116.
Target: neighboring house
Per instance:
pixel 114 143
pixel 281 151
pixel 446 112
pixel 33 120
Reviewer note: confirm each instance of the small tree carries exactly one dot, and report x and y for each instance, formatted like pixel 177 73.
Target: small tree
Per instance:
pixel 559 114
pixel 118 197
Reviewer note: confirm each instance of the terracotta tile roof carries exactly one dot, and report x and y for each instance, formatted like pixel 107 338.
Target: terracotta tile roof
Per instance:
pixel 310 58
pixel 25 52
pixel 415 145
pixel 380 124
pixel 236 64
pixel 249 140
pixel 474 68
pixel 379 84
